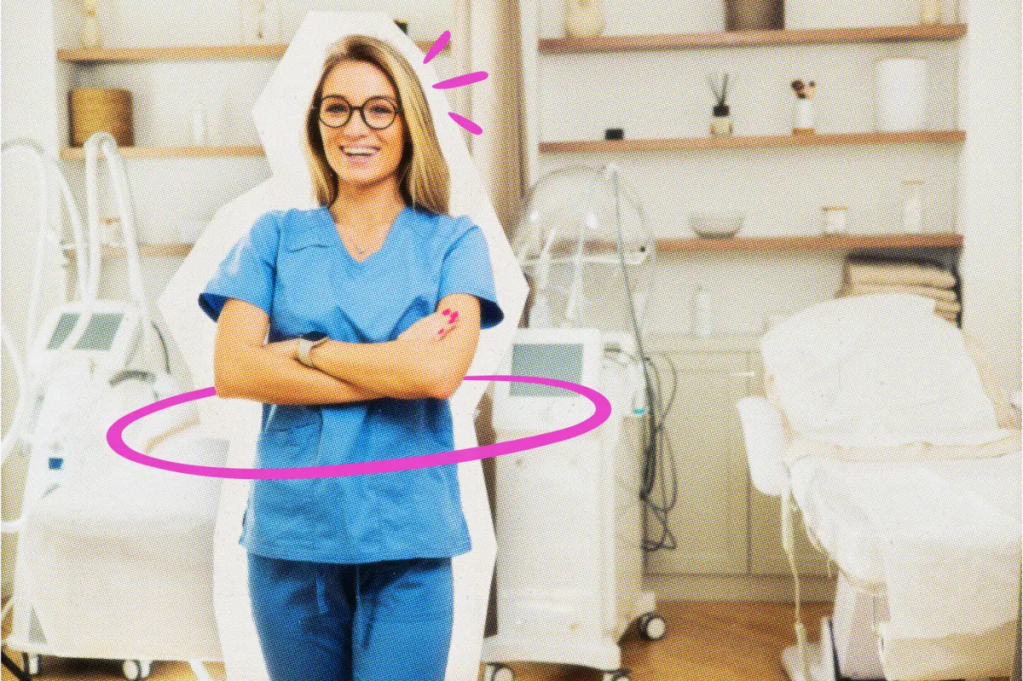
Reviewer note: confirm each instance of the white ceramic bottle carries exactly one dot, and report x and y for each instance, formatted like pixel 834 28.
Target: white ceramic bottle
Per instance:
pixel 702 322
pixel 913 206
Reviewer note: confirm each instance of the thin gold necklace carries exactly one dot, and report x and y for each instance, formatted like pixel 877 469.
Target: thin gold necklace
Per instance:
pixel 359 249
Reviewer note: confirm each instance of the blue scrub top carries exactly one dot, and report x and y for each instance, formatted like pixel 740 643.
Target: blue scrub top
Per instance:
pixel 293 265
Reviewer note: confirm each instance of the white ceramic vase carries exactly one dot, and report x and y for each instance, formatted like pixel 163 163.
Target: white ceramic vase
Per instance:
pixel 583 18
pixel 90 29
pixel 803 118
pixel 900 94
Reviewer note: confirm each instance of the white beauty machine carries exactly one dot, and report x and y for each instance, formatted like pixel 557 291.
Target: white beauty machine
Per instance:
pixel 887 430
pixel 570 516
pixel 114 559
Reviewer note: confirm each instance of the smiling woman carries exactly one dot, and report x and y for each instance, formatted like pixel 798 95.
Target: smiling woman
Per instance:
pixel 372 306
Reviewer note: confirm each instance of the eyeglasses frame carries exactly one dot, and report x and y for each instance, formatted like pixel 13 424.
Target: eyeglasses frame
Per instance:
pixel 352 109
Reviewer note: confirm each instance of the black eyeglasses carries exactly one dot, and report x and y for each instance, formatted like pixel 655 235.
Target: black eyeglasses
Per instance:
pixel 377 112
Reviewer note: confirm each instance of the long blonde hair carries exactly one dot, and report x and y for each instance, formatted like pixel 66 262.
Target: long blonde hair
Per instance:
pixel 425 181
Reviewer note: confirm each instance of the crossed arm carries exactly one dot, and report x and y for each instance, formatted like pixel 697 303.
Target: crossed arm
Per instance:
pixel 428 360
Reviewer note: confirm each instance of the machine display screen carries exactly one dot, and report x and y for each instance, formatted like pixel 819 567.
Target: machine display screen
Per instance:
pixel 63 330
pixel 563 361
pixel 101 331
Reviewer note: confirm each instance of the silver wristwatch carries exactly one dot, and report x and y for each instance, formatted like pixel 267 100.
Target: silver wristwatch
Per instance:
pixel 306 343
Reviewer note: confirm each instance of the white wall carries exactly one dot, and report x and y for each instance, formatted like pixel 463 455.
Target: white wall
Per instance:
pixel 27 111
pixel 990 212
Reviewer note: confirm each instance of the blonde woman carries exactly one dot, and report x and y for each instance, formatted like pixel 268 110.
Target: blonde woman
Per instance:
pixel 371 306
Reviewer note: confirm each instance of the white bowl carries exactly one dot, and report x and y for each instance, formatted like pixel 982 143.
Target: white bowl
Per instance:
pixel 716 225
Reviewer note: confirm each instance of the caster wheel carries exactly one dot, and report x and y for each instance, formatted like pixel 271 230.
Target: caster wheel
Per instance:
pixel 32 664
pixel 136 670
pixel 498 672
pixel 652 627
pixel 618 675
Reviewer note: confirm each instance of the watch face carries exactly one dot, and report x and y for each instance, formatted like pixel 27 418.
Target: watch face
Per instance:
pixel 314 336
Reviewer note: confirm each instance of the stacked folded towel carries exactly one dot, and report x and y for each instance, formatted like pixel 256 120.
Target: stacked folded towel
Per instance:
pixel 921 277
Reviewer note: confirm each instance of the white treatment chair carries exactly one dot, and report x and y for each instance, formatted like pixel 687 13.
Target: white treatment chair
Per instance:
pixel 885 427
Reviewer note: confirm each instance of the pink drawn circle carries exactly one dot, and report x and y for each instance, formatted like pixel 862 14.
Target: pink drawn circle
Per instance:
pixel 115 438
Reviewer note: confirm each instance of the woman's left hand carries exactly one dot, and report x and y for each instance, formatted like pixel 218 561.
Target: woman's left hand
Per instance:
pixel 287 348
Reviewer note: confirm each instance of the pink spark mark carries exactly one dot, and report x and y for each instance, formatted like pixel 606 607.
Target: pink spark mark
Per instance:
pixel 471 126
pixel 438 45
pixel 459 81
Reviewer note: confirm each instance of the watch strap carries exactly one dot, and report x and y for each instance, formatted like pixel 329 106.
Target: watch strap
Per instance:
pixel 305 347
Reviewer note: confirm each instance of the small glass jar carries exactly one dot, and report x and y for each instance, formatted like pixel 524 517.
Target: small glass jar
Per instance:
pixel 835 219
pixel 913 206
pixel 721 122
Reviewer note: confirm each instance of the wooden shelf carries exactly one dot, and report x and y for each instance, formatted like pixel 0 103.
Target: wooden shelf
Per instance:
pixel 145 250
pixel 817 36
pixel 752 142
pixel 811 243
pixel 78 153
pixel 181 53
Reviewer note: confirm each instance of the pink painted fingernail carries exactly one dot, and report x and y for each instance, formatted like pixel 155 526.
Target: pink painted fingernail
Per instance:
pixel 447 311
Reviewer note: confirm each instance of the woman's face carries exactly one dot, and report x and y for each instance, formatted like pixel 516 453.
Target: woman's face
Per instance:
pixel 360 155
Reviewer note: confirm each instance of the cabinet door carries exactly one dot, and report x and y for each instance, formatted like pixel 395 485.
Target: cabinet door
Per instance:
pixel 710 520
pixel 766 554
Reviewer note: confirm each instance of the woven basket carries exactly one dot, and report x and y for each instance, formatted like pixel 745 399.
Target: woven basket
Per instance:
pixel 101 110
pixel 755 15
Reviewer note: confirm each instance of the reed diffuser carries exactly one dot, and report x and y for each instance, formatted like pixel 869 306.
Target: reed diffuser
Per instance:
pixel 721 120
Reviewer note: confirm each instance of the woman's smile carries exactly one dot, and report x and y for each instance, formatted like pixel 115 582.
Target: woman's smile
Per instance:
pixel 360 154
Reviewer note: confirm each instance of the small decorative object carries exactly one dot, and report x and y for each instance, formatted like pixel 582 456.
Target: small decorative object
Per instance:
pixel 90 30
pixel 913 206
pixel 198 125
pixel 930 12
pixel 835 219
pixel 702 323
pixel 803 117
pixel 721 121
pixel 755 15
pixel 403 25
pixel 583 18
pixel 614 134
pixel 112 234
pixel 101 110
pixel 716 225
pixel 900 94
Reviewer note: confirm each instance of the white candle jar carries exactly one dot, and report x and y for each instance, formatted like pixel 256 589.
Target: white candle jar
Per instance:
pixel 835 219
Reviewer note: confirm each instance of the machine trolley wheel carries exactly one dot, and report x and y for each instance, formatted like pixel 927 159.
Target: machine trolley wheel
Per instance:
pixel 652 627
pixel 498 672
pixel 617 675
pixel 32 664
pixel 136 670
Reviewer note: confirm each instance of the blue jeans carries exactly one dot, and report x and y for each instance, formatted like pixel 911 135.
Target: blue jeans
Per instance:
pixel 385 621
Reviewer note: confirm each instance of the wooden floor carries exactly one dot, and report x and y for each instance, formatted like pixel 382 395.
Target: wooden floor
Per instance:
pixel 705 642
